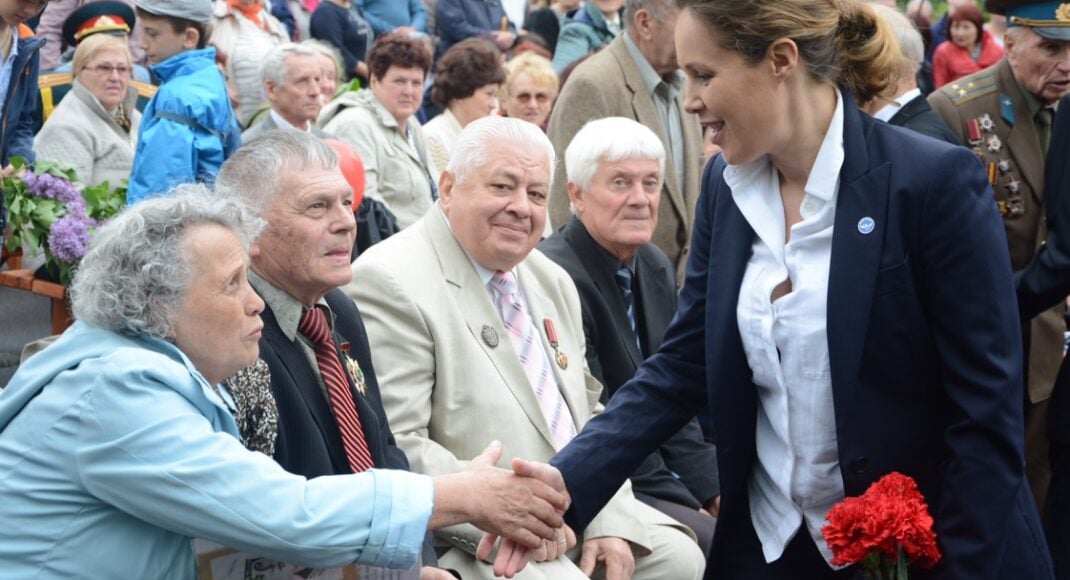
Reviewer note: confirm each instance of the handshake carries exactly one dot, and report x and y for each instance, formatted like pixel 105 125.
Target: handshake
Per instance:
pixel 521 510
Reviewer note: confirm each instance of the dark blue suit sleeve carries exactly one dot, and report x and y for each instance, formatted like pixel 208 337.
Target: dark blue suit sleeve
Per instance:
pixel 280 9
pixel 454 24
pixel 966 289
pixel 326 25
pixel 664 394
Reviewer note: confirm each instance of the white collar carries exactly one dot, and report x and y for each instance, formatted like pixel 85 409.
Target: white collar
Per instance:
pixel 825 173
pixel 888 111
pixel 284 124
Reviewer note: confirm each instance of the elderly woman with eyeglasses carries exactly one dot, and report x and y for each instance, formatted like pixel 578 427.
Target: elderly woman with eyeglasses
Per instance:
pixel 118 444
pixel 96 127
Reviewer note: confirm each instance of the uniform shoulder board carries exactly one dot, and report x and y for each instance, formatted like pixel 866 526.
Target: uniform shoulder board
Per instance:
pixel 967 89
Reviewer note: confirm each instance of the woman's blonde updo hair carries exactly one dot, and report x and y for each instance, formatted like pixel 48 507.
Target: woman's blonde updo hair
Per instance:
pixel 840 41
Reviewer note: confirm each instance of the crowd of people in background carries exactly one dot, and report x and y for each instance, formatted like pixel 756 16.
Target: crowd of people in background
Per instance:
pixel 368 237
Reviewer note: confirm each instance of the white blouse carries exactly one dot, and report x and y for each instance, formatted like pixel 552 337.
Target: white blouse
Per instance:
pixel 797 476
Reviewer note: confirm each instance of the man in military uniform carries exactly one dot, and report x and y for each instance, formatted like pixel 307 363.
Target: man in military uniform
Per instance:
pixel 1004 114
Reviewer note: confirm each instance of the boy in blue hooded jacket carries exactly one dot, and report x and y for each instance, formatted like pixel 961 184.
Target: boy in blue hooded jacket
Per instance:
pixel 188 128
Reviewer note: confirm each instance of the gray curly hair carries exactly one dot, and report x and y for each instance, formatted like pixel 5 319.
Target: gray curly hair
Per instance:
pixel 136 273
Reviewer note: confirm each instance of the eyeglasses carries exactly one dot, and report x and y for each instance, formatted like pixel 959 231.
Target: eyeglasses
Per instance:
pixel 540 98
pixel 107 69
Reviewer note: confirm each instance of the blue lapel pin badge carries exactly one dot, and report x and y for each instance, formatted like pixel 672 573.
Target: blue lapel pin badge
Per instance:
pixel 866 225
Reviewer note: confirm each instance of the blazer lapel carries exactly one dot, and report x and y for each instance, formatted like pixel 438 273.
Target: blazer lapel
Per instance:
pixel 655 299
pixel 647 114
pixel 605 280
pixel 303 379
pixel 856 255
pixel 733 396
pixel 479 314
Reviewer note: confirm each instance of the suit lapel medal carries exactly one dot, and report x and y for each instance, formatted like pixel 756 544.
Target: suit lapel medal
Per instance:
pixel 353 367
pixel 551 335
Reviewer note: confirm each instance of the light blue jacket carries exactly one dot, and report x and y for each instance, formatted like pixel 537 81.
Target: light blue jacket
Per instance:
pixel 188 128
pixel 114 452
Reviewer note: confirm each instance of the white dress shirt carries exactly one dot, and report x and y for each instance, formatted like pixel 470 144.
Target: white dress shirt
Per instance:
pixel 797 476
pixel 888 111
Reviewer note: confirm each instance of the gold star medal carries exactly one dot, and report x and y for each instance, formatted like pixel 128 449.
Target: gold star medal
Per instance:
pixel 355 373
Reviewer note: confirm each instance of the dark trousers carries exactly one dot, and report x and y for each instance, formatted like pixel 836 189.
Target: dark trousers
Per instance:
pixel 739 556
pixel 1057 509
pixel 701 523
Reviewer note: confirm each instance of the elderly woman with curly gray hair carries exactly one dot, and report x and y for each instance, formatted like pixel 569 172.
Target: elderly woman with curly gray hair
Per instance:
pixel 118 445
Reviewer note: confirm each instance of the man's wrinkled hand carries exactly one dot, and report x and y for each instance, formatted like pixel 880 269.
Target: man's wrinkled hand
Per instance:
pixel 524 509
pixel 613 552
pixel 553 549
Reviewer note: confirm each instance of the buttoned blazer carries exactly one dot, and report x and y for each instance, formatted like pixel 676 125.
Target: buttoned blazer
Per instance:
pixel 970 98
pixel 309 442
pixel 613 355
pixel 918 116
pixel 451 379
pixel 609 84
pixel 925 355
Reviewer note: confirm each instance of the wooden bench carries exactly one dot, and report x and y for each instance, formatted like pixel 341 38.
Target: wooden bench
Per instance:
pixel 21 279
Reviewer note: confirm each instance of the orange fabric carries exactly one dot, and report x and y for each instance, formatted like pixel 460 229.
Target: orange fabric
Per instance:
pixel 352 169
pixel 25 31
pixel 251 12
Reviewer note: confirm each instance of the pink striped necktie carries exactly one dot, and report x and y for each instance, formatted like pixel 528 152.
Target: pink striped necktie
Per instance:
pixel 529 347
pixel 314 326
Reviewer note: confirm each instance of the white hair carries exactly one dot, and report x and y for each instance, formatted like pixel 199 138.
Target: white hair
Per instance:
pixel 273 68
pixel 911 45
pixel 610 140
pixel 469 150
pixel 252 174
pixel 136 274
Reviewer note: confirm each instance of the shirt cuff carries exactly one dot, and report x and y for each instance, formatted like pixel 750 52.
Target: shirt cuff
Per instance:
pixel 403 504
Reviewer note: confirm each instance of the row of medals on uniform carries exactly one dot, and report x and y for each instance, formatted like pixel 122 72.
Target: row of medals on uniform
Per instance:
pixel 982 138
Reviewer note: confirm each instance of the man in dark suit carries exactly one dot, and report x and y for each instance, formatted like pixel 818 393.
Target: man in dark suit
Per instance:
pixel 1041 285
pixel 909 108
pixel 627 290
pixel 330 418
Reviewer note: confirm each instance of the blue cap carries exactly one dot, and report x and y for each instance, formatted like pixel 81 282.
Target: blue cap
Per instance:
pixel 1050 20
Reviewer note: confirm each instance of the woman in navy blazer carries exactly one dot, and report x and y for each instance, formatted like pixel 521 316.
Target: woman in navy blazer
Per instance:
pixel 923 357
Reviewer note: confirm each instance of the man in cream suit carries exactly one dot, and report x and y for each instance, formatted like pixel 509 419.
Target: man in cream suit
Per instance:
pixel 637 77
pixel 473 336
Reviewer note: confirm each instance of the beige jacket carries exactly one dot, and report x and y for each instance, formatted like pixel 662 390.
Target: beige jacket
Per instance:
pixel 451 380
pixel 394 173
pixel 81 132
pixel 609 84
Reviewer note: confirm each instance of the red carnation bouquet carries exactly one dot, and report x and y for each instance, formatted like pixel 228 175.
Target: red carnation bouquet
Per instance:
pixel 886 529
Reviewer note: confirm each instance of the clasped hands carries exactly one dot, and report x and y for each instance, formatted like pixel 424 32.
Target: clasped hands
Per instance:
pixel 540 543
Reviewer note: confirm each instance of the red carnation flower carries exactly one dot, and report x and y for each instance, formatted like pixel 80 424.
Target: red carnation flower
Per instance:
pixel 890 521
